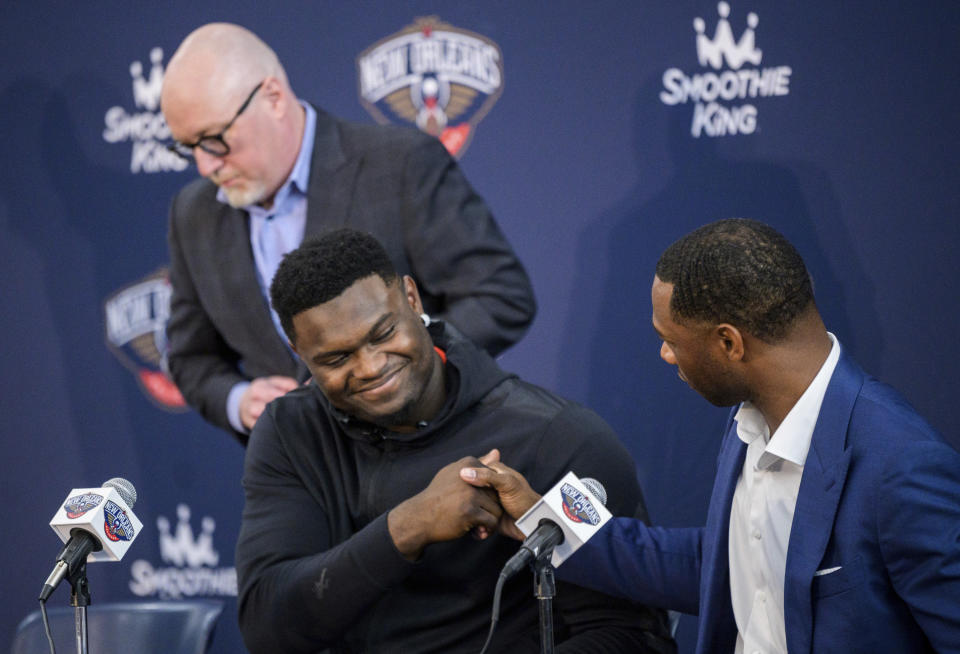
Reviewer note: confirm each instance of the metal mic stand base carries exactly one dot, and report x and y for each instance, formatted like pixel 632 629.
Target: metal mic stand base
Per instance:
pixel 545 588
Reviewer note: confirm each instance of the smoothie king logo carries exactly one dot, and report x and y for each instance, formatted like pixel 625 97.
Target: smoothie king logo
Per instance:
pixel 192 563
pixel 441 78
pixel 723 100
pixel 136 332
pixel 144 127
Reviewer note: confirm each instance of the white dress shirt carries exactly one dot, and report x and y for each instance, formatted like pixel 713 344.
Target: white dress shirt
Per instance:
pixel 762 513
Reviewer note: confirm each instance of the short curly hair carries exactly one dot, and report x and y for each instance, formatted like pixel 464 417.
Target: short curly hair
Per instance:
pixel 322 268
pixel 737 271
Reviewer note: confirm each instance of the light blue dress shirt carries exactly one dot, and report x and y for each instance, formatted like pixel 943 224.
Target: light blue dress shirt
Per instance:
pixel 273 233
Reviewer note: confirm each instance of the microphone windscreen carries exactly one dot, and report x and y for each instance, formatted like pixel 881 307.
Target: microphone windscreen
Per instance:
pixel 129 494
pixel 596 488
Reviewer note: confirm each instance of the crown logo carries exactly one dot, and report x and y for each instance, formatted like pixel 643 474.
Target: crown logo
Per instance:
pixel 181 548
pixel 722 45
pixel 146 90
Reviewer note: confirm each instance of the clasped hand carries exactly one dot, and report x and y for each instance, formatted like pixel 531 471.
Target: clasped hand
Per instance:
pixel 478 496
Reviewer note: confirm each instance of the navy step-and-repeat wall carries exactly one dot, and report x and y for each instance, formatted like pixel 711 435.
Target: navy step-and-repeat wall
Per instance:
pixel 598 132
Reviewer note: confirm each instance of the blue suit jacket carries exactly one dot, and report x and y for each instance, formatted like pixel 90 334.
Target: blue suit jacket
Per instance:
pixel 879 497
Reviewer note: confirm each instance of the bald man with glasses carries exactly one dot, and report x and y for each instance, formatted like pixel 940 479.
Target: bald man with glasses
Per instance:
pixel 275 169
pixel 213 144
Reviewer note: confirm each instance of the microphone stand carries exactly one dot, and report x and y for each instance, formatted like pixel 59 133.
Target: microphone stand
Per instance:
pixel 545 589
pixel 80 599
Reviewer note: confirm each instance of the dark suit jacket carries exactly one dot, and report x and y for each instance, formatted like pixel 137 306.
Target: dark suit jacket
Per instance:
pixel 879 498
pixel 399 185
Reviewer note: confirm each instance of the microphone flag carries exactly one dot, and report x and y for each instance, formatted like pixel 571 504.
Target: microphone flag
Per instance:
pixel 104 514
pixel 573 507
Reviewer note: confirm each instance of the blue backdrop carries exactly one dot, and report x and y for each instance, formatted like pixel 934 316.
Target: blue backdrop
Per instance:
pixel 613 134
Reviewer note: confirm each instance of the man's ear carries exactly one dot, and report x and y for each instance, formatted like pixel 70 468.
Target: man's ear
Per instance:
pixel 412 294
pixel 730 340
pixel 273 91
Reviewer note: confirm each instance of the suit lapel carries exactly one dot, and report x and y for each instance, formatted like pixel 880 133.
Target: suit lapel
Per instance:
pixel 332 179
pixel 235 266
pixel 238 274
pixel 718 630
pixel 821 486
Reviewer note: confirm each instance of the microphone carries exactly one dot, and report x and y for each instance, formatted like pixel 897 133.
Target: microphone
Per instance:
pixel 562 520
pixel 97 524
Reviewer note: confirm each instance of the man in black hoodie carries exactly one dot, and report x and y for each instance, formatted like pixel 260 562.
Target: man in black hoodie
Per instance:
pixel 356 523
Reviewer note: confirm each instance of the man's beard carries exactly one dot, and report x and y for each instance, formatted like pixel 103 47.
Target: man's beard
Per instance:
pixel 243 196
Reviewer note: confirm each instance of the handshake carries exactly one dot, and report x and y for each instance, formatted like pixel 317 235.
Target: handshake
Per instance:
pixel 469 496
pixel 484 496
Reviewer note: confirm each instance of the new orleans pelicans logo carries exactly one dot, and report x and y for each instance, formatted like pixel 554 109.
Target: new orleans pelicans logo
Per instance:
pixel 77 505
pixel 577 506
pixel 441 78
pixel 116 524
pixel 136 323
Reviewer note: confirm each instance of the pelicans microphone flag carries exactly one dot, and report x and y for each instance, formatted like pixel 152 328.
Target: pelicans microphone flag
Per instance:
pixel 575 506
pixel 97 524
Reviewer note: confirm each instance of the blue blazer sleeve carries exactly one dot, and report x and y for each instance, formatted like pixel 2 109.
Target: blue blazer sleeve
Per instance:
pixel 652 565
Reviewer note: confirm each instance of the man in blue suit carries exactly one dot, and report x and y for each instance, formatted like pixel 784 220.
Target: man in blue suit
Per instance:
pixel 834 522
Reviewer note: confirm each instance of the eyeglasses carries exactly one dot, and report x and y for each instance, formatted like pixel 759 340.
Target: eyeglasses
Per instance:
pixel 213 144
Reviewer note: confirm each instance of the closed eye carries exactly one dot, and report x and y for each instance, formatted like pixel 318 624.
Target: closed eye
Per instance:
pixel 384 336
pixel 334 362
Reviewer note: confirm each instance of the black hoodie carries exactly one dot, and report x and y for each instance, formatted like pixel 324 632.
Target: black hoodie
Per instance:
pixel 315 562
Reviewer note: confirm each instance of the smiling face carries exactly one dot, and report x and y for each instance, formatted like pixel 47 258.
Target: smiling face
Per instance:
pixel 371 355
pixel 697 350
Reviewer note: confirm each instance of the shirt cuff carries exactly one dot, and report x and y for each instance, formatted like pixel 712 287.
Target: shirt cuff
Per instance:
pixel 233 406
